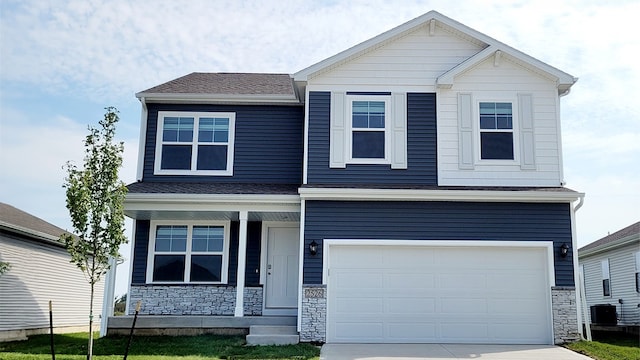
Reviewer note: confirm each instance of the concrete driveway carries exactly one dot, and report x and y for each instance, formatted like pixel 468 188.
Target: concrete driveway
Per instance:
pixel 446 351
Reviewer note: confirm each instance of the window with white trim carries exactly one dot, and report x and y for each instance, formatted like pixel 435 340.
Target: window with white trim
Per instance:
pixel 606 280
pixel 188 253
pixel 496 131
pixel 368 129
pixel 637 261
pixel 199 143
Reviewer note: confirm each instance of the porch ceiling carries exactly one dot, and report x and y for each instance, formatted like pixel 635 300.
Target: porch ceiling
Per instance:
pixel 212 215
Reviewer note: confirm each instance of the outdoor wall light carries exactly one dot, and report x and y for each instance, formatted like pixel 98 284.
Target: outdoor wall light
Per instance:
pixel 313 248
pixel 564 250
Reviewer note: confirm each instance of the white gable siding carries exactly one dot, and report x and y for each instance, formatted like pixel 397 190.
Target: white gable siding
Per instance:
pixel 38 274
pixel 409 63
pixel 622 270
pixel 505 82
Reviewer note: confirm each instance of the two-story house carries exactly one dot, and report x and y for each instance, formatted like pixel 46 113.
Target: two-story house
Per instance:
pixel 406 190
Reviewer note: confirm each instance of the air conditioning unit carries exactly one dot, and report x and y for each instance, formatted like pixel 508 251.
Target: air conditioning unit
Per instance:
pixel 604 314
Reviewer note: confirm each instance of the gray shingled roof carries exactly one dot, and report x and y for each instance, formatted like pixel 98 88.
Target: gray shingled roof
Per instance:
pixel 633 229
pixel 212 188
pixel 227 84
pixel 17 219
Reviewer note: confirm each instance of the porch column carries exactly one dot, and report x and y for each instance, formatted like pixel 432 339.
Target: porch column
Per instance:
pixel 242 259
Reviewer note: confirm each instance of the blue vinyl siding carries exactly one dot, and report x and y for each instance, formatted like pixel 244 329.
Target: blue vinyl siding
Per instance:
pixel 252 274
pixel 421 147
pixel 140 251
pixel 268 144
pixel 437 221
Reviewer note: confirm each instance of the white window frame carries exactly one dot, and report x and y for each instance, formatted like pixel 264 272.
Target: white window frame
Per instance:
pixel 194 143
pixel 388 113
pixel 606 275
pixel 514 130
pixel 636 274
pixel 188 253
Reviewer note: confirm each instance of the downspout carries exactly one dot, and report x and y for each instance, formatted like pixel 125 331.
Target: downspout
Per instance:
pixel 581 305
pixel 141 141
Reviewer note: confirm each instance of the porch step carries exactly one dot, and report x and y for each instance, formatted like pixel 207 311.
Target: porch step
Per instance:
pixel 272 335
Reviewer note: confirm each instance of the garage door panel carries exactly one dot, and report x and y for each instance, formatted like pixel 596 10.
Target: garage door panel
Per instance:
pixel 359 305
pixel 358 279
pixel 456 305
pixel 462 281
pixel 458 294
pixel 410 305
pixel 415 331
pixel 406 280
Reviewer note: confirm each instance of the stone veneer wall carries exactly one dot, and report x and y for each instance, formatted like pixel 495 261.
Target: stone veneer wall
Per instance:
pixel 193 300
pixel 314 313
pixel 565 316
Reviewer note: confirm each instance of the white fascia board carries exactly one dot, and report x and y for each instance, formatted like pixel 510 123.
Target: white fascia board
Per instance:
pixel 435 195
pixel 363 47
pixel 628 240
pixel 446 80
pixel 211 202
pixel 33 234
pixel 188 98
pixel 565 81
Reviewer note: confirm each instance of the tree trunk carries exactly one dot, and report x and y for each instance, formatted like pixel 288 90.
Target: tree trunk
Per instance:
pixel 90 351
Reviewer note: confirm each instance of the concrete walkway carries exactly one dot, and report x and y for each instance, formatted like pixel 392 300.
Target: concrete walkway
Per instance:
pixel 446 351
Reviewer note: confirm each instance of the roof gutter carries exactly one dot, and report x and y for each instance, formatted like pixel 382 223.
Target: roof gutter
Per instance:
pixel 33 234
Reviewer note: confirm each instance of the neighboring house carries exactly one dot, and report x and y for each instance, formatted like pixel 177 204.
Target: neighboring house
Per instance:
pixel 40 272
pixel 611 268
pixel 406 190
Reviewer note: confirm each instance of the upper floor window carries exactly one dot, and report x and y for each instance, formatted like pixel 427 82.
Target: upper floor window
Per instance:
pixel 185 253
pixel 496 131
pixel 369 129
pixel 195 143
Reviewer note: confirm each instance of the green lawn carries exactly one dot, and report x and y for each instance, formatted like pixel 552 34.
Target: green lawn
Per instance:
pixel 74 346
pixel 609 347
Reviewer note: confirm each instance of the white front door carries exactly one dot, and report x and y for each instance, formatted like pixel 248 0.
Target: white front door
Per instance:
pixel 281 284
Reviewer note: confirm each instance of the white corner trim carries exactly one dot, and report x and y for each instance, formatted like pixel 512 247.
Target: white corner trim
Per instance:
pixel 142 140
pixel 436 195
pixel 548 245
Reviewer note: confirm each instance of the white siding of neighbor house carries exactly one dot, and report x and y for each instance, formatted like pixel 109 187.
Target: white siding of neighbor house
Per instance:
pixel 506 81
pixel 411 62
pixel 622 269
pixel 40 273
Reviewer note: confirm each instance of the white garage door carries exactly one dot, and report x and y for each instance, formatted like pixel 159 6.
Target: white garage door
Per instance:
pixel 424 294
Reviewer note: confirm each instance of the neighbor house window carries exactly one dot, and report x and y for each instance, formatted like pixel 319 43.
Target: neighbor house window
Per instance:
pixel 195 143
pixel 496 131
pixel 369 124
pixel 637 258
pixel 606 281
pixel 188 253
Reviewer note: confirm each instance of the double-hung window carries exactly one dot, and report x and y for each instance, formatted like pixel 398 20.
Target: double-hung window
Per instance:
pixel 188 253
pixel 368 117
pixel 195 143
pixel 637 273
pixel 496 131
pixel 606 280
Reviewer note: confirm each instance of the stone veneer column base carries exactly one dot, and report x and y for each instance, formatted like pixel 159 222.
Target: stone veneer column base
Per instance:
pixel 193 300
pixel 565 316
pixel 314 313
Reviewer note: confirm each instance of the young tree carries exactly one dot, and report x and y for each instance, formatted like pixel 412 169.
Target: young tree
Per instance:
pixel 94 198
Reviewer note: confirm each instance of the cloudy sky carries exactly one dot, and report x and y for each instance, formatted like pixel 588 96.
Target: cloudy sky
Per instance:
pixel 62 62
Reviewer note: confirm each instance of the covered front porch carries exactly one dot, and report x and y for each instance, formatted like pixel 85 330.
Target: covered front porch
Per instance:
pixel 197 256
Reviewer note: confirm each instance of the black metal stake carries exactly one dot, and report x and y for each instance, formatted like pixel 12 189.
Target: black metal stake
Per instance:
pixel 53 352
pixel 133 325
